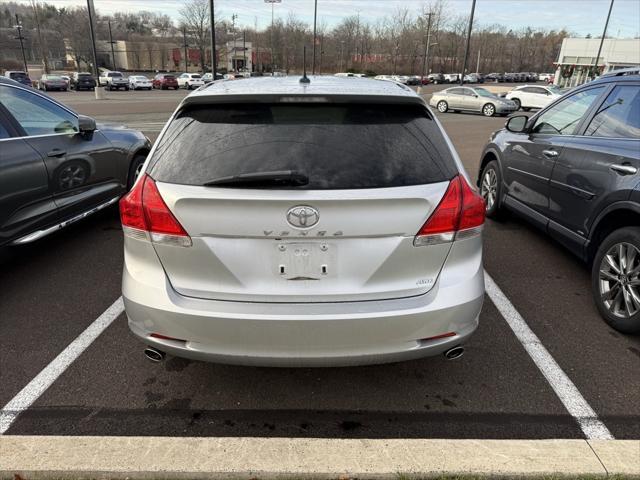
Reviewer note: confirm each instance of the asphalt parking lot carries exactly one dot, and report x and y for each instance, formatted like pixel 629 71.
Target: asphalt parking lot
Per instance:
pixel 52 290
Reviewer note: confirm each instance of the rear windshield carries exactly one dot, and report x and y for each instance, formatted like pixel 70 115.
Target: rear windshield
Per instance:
pixel 195 76
pixel 115 74
pixel 337 146
pixel 17 75
pixel 84 75
pixel 169 77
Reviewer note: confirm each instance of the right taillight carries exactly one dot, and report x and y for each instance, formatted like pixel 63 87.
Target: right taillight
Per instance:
pixel 144 215
pixel 460 214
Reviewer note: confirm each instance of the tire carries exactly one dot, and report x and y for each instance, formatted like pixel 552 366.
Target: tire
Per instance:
pixel 491 189
pixel 517 102
pixel 134 168
pixel 442 106
pixel 489 110
pixel 622 314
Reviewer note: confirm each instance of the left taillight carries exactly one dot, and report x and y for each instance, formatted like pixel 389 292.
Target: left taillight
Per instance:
pixel 460 214
pixel 145 215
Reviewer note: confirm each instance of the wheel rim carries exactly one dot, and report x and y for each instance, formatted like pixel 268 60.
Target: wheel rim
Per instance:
pixel 489 188
pixel 489 110
pixel 619 280
pixel 72 176
pixel 442 107
pixel 517 102
pixel 136 172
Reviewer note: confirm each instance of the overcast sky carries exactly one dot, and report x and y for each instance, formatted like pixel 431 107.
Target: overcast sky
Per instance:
pixel 579 16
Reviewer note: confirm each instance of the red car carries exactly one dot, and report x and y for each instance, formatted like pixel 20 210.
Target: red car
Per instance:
pixel 165 81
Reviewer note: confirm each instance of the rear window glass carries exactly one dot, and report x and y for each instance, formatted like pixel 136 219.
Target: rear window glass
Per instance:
pixel 17 75
pixel 84 75
pixel 337 146
pixel 169 77
pixel 195 76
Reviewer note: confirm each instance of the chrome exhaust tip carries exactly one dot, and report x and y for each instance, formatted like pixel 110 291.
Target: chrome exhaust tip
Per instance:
pixel 453 353
pixel 153 354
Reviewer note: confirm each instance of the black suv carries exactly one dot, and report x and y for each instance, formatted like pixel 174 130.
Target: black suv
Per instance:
pixel 572 169
pixel 57 167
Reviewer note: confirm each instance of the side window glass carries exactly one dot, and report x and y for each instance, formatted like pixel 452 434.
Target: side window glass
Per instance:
pixel 3 132
pixel 619 115
pixel 455 91
pixel 564 117
pixel 35 114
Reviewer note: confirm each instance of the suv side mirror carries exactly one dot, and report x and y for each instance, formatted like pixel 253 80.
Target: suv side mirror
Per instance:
pixel 86 125
pixel 517 124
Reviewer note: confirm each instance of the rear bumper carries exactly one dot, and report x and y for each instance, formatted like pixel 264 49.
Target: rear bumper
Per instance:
pixel 318 334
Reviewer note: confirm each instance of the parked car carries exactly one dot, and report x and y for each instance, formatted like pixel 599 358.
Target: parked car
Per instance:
pixel 19 76
pixel 139 82
pixel 190 80
pixel 414 80
pixel 452 77
pixel 165 81
pixel 510 77
pixel 473 78
pixel 262 249
pixel 533 96
pixel 494 77
pixel 384 77
pixel 82 81
pixel 208 77
pixel 57 166
pixel 436 78
pixel 471 99
pixel 572 170
pixel 114 81
pixel 49 82
pixel 67 79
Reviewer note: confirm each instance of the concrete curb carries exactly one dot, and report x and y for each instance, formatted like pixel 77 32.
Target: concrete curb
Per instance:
pixel 49 457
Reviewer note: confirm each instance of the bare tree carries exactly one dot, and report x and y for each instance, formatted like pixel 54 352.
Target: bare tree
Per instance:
pixel 195 18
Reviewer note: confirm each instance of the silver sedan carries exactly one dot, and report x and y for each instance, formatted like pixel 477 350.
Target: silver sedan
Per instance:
pixel 472 99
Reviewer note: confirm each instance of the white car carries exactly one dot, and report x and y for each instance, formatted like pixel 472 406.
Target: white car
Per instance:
pixel 140 82
pixel 545 77
pixel 190 80
pixel 533 96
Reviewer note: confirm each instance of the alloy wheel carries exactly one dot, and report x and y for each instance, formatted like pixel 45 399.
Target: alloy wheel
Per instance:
pixel 489 110
pixel 489 188
pixel 71 176
pixel 620 280
pixel 442 107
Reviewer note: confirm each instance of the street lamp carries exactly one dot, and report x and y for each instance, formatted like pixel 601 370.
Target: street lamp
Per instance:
pixel 272 2
pixel 18 27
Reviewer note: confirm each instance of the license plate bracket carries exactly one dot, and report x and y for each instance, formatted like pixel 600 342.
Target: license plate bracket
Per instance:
pixel 305 261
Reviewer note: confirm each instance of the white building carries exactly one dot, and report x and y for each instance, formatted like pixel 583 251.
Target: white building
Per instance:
pixel 237 56
pixel 576 61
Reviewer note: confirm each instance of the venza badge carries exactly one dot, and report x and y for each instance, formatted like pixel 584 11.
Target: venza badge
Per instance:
pixel 302 216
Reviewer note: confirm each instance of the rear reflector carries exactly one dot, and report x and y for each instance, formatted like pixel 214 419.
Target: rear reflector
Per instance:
pixel 460 214
pixel 144 214
pixel 164 337
pixel 438 337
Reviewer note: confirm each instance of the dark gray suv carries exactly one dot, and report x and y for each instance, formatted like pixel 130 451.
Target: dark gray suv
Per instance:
pixel 572 170
pixel 57 167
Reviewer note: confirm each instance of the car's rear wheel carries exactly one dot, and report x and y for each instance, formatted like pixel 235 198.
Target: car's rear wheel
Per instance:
pixel 517 102
pixel 491 188
pixel 489 110
pixel 442 106
pixel 134 170
pixel 615 279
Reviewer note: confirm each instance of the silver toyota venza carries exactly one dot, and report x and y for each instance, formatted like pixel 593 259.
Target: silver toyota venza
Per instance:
pixel 285 223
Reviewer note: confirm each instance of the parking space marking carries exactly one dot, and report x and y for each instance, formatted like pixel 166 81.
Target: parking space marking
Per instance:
pixel 36 387
pixel 564 388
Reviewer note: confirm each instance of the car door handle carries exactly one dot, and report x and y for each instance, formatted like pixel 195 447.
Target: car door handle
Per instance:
pixel 624 169
pixel 550 153
pixel 56 152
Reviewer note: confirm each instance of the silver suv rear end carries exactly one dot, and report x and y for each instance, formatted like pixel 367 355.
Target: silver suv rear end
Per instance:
pixel 279 223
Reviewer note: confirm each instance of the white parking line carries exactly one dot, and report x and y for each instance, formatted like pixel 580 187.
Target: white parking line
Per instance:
pixel 566 391
pixel 36 387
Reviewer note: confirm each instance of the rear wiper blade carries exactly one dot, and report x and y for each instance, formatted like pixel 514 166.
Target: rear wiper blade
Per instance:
pixel 281 177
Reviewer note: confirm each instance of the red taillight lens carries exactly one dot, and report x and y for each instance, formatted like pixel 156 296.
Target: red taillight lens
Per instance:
pixel 144 209
pixel 460 209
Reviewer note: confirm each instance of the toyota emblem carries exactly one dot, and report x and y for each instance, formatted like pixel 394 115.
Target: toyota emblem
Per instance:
pixel 303 216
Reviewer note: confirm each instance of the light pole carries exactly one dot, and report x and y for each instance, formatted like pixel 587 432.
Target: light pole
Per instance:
pixel 272 2
pixel 315 17
pixel 214 63
pixel 21 37
pixel 604 34
pixel 113 54
pixel 184 37
pixel 426 47
pixel 234 64
pixel 98 91
pixel 466 49
pixel 341 53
